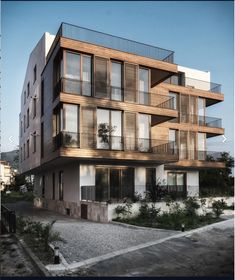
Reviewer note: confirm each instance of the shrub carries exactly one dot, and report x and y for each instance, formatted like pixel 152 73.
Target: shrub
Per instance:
pixel 147 213
pixel 137 197
pixel 191 205
pixel 218 206
pixel 123 210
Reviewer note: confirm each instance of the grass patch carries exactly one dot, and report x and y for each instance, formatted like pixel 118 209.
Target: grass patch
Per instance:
pixel 16 196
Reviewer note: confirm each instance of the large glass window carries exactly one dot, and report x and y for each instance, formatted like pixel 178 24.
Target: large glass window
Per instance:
pixel 176 182
pixel 101 184
pixel 61 185
pixel 201 111
pixel 72 73
pixel 201 142
pixel 116 81
pixel 70 125
pixel 144 132
pixel 86 75
pixel 174 100
pixel 173 139
pixel 143 86
pixel 109 129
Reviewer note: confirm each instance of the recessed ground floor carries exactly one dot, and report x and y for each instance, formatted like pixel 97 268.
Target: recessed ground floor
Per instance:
pixel 86 190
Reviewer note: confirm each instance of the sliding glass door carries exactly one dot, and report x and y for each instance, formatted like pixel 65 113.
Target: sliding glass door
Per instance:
pixel 143 86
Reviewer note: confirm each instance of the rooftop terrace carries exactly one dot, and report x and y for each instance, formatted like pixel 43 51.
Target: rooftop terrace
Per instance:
pixel 113 42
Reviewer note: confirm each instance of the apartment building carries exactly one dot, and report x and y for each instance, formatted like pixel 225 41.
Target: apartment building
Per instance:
pixel 6 174
pixel 105 117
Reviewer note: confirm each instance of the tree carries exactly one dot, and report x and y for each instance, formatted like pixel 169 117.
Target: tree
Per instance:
pixel 218 181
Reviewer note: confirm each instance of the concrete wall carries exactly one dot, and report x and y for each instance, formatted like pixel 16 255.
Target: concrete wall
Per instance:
pixel 140 180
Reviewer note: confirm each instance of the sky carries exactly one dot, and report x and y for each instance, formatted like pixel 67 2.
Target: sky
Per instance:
pixel 199 32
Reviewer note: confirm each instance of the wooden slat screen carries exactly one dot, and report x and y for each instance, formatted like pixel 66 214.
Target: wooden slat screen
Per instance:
pixel 101 77
pixel 130 82
pixel 88 127
pixel 130 131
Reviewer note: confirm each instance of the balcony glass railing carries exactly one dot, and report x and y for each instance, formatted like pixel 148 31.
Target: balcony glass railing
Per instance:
pixel 201 155
pixel 194 83
pixel 110 142
pixel 114 42
pixel 201 120
pixel 113 93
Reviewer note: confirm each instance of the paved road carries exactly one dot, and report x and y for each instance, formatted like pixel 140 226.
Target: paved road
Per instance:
pixel 206 253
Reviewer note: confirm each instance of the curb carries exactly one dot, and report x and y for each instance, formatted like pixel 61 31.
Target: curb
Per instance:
pixel 146 228
pixel 92 261
pixel 35 260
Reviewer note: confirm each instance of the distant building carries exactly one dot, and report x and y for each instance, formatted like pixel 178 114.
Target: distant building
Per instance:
pixel 103 117
pixel 6 174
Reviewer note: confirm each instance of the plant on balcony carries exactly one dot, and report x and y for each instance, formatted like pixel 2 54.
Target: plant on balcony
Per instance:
pixel 104 132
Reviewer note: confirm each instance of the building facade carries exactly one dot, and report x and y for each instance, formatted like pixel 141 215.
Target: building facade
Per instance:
pixel 104 118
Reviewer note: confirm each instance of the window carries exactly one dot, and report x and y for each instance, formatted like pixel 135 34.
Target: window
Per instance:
pixel 143 86
pixel 72 73
pixel 116 81
pixel 174 100
pixel 34 107
pixel 53 186
pixel 70 125
pixel 24 152
pixel 24 123
pixel 176 182
pixel 21 128
pixel 28 89
pixel 28 118
pixel 114 183
pixel 61 185
pixel 43 186
pixel 42 140
pixel 201 111
pixel 173 140
pixel 34 142
pixel 42 97
pixel 144 132
pixel 101 77
pixel 86 75
pixel 27 148
pixel 109 129
pixel 201 142
pixel 150 178
pixel 24 97
pixel 35 73
pixel 21 154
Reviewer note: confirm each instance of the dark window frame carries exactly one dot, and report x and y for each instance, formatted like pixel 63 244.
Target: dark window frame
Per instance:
pixel 35 73
pixel 28 89
pixel 61 185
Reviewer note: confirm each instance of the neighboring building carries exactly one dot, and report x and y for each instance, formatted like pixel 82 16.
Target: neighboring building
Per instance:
pixel 6 174
pixel 107 116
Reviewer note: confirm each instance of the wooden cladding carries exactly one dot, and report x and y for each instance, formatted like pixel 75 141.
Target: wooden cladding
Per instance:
pixel 88 126
pixel 130 82
pixel 101 77
pixel 130 130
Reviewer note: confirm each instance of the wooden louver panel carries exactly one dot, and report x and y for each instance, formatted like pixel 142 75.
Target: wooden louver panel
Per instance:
pixel 101 77
pixel 130 130
pixel 88 122
pixel 130 82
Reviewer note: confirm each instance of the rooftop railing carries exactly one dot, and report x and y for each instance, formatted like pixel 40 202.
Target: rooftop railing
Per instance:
pixel 114 42
pixel 78 87
pixel 194 83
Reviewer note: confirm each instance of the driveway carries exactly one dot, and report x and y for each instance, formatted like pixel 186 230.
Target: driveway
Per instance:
pixel 86 239
pixel 207 252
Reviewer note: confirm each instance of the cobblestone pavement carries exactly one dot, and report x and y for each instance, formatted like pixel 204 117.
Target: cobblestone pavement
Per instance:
pixel 208 253
pixel 86 239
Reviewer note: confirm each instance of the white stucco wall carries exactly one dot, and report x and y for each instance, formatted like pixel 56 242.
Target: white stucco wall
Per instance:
pixel 202 78
pixel 193 183
pixel 140 180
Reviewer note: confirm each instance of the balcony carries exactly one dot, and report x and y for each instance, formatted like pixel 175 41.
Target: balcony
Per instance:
pixel 115 143
pixel 193 83
pixel 114 42
pixel 88 89
pixel 200 155
pixel 201 120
